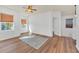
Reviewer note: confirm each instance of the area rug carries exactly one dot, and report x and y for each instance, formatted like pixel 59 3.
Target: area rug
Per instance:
pixel 35 41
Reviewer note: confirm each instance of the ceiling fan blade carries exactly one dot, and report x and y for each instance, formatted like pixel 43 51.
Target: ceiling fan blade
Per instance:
pixel 26 10
pixel 34 9
pixel 31 11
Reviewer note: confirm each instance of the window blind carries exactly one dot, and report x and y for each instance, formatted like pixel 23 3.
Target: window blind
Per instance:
pixel 23 21
pixel 6 18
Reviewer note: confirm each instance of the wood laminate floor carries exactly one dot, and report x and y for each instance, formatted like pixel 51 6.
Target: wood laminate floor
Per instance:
pixel 53 45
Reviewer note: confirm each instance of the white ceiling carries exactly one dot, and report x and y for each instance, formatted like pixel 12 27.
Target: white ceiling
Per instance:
pixel 65 9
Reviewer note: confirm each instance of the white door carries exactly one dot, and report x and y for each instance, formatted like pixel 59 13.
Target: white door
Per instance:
pixel 54 25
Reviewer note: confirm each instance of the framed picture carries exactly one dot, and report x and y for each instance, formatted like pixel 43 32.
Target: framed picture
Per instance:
pixel 69 23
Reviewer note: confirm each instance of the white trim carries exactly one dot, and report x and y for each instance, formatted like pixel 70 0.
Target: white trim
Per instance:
pixel 77 47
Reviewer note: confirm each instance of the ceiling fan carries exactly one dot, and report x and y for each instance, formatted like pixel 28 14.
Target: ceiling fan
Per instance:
pixel 30 9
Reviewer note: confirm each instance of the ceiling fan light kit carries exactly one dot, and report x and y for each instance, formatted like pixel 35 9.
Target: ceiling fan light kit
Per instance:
pixel 29 10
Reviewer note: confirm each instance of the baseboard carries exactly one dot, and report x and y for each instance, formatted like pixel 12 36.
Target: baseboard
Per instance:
pixel 35 34
pixel 10 38
pixel 41 35
pixel 24 33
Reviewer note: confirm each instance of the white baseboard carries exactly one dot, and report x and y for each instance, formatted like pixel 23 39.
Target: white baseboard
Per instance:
pixel 13 36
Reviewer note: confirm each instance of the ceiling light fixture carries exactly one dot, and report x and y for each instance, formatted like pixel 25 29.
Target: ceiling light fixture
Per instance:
pixel 30 9
pixel 75 11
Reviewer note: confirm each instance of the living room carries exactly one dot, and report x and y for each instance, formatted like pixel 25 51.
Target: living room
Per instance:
pixel 45 20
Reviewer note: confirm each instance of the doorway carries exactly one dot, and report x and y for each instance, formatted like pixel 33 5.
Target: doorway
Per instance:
pixel 54 25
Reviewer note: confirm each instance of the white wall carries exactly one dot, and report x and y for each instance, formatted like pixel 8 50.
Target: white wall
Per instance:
pixel 77 28
pixel 17 25
pixel 66 31
pixel 77 33
pixel 41 23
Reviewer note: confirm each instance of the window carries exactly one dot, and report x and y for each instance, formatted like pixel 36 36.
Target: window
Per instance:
pixel 69 23
pixel 23 23
pixel 6 22
pixel 6 26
